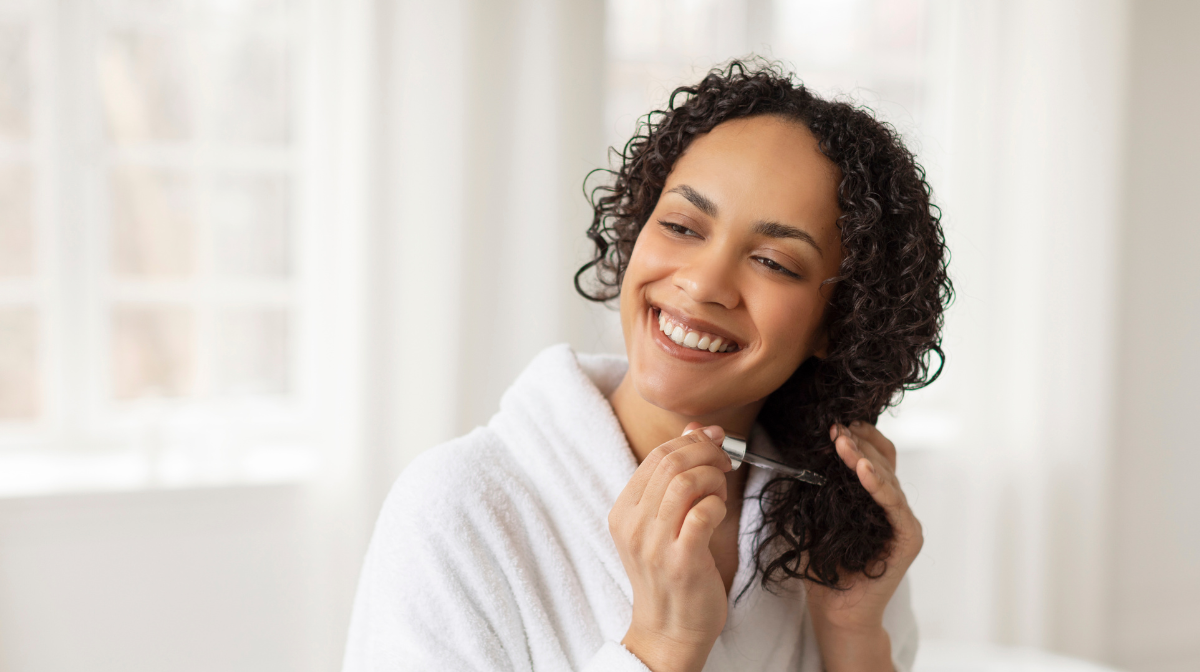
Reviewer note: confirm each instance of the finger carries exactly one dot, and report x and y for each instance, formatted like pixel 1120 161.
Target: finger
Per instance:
pixel 843 442
pixel 876 438
pixel 685 490
pixel 700 522
pixel 631 494
pixel 887 493
pixel 677 456
pixel 863 447
pixel 852 448
pixel 687 458
pixel 882 486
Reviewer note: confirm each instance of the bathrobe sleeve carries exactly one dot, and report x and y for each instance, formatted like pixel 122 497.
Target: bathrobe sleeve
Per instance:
pixel 446 583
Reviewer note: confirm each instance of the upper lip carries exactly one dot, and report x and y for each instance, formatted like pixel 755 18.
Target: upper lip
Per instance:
pixel 697 324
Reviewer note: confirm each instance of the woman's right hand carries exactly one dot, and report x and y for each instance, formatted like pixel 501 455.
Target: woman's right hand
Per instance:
pixel 662 523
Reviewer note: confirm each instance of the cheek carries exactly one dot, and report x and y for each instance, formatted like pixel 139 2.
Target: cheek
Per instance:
pixel 640 270
pixel 650 261
pixel 651 258
pixel 790 332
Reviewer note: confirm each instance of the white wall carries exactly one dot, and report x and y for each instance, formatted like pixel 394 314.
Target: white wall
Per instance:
pixel 173 581
pixel 1156 572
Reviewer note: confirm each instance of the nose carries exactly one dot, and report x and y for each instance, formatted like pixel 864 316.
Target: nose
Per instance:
pixel 709 276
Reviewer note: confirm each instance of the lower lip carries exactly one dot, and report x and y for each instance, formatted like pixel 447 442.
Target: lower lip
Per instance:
pixel 678 351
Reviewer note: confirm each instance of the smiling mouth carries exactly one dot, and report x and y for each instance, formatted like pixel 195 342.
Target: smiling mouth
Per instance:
pixel 693 339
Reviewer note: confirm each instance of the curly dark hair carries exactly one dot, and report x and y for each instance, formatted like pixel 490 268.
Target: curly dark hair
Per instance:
pixel 884 317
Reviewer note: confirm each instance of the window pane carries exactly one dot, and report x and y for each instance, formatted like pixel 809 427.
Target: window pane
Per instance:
pixel 14 81
pixel 251 88
pixel 153 222
pixel 253 351
pixel 18 364
pixel 16 225
pixel 250 225
pixel 153 352
pixel 145 85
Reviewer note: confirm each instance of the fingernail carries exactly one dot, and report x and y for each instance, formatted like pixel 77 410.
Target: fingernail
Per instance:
pixel 713 432
pixel 871 468
pixel 833 433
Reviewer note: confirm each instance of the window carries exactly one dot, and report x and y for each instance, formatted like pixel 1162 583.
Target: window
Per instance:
pixel 24 159
pixel 152 290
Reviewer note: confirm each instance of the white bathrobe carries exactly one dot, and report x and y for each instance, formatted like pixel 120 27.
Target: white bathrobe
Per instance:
pixel 492 551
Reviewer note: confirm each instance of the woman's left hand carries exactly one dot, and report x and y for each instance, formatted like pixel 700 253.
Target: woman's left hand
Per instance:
pixel 849 623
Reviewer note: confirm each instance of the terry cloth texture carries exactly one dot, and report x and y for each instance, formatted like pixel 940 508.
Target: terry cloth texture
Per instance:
pixel 492 552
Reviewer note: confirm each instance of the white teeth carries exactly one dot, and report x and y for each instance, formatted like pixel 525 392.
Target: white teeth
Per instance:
pixel 692 339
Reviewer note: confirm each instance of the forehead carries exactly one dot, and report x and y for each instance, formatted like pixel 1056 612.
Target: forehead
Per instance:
pixel 762 167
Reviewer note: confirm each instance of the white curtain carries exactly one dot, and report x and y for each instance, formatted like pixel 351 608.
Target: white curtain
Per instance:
pixel 490 120
pixel 1028 97
pixel 464 131
pixel 480 120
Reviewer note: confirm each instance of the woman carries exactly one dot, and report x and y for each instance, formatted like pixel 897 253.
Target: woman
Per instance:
pixel 780 273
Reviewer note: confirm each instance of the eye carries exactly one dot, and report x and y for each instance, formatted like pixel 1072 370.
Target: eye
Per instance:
pixel 678 229
pixel 776 267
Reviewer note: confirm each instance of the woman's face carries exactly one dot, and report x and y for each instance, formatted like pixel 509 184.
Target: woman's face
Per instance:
pixel 737 249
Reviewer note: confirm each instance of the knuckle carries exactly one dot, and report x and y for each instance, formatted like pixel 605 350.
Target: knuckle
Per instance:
pixel 695 437
pixel 684 481
pixel 714 513
pixel 661 452
pixel 699 517
pixel 720 509
pixel 674 463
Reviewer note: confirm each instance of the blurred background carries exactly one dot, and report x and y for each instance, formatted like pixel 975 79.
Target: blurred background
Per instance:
pixel 256 255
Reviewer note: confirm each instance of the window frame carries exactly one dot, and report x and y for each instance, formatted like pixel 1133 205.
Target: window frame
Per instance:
pixel 84 440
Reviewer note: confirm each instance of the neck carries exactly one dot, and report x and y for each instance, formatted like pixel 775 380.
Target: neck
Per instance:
pixel 647 426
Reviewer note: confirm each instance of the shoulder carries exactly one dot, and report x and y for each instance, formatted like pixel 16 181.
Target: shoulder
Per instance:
pixel 434 586
pixel 468 477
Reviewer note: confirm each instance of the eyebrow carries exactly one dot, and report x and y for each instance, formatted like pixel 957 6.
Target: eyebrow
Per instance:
pixel 777 230
pixel 768 229
pixel 697 199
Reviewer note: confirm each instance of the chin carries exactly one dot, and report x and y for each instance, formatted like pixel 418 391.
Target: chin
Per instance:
pixel 678 401
pixel 677 391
